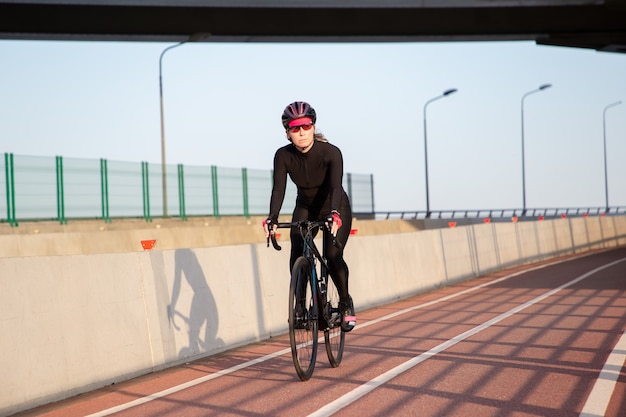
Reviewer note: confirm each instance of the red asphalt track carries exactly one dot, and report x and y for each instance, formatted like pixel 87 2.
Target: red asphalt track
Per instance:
pixel 547 339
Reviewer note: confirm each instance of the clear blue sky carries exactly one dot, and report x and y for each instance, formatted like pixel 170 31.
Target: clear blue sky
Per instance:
pixel 223 104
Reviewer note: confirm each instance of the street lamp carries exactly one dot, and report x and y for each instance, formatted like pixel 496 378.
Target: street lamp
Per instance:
pixel 606 180
pixel 541 88
pixel 445 93
pixel 193 38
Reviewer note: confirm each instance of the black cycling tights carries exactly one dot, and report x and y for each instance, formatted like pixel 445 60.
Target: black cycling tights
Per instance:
pixel 338 267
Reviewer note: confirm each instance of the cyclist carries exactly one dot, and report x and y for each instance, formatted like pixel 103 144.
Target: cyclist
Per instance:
pixel 316 167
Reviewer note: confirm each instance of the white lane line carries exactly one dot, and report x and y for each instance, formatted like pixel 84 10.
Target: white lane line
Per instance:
pixel 450 296
pixel 244 365
pixel 600 395
pixel 369 386
pixel 186 385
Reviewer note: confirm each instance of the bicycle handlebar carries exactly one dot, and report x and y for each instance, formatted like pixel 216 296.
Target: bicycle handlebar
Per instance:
pixel 302 226
pixel 272 237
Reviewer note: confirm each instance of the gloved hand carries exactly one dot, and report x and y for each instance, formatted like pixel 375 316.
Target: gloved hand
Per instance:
pixel 333 221
pixel 269 224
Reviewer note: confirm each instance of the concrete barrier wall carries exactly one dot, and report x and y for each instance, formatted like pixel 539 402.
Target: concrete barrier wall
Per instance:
pixel 74 323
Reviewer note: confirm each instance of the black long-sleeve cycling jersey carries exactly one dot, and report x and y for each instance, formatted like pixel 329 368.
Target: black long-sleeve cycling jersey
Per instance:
pixel 317 175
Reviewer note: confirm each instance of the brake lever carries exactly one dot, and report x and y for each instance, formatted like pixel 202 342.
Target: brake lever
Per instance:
pixel 274 242
pixel 336 243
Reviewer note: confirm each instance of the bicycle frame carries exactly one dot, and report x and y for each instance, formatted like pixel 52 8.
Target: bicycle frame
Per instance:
pixel 324 311
pixel 310 251
pixel 306 229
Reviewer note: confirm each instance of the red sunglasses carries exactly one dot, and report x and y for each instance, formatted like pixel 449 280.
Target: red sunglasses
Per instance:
pixel 296 129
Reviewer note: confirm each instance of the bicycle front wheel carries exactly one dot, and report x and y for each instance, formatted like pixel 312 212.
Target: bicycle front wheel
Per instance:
pixel 333 336
pixel 303 329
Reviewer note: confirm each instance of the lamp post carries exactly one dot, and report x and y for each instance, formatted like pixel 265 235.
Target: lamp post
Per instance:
pixel 606 179
pixel 541 88
pixel 193 38
pixel 444 94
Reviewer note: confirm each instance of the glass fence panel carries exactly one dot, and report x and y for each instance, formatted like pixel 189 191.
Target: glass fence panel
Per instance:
pixel 35 187
pixel 230 190
pixel 361 197
pixel 155 189
pixel 82 188
pixel 259 191
pixel 135 189
pixel 172 191
pixel 198 191
pixel 125 189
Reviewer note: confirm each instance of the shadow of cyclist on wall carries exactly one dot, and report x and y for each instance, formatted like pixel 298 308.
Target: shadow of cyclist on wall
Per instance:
pixel 203 313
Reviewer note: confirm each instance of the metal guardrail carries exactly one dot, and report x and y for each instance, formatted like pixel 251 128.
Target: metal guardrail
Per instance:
pixel 517 214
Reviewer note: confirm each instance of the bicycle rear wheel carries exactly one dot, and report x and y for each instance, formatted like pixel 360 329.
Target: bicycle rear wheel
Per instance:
pixel 334 338
pixel 303 327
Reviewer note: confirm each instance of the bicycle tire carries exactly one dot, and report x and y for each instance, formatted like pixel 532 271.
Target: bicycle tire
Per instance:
pixel 334 337
pixel 303 329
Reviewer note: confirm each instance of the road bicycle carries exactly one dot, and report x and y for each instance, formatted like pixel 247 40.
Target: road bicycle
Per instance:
pixel 313 301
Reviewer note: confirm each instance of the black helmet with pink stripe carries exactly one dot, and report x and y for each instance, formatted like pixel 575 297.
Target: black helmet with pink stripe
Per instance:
pixel 298 110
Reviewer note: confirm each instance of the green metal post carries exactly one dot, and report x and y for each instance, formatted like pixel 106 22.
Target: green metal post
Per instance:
pixel 181 192
pixel 60 191
pixel 216 202
pixel 246 205
pixel 10 189
pixel 145 182
pixel 7 179
pixel 104 189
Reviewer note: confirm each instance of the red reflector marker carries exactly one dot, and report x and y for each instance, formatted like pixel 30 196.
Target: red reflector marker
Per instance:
pixel 452 224
pixel 148 244
pixel 353 231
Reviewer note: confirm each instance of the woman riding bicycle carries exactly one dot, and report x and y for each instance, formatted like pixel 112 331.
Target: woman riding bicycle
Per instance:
pixel 316 167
